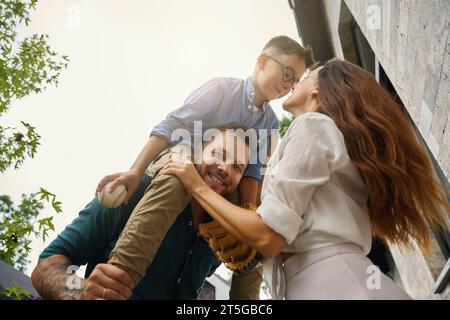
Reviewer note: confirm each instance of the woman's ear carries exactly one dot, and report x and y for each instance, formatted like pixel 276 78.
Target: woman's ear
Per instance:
pixel 315 99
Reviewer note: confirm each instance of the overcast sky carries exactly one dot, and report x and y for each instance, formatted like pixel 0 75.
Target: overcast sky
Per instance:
pixel 132 62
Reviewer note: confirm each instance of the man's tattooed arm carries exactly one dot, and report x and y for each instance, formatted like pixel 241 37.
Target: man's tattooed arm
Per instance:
pixel 52 279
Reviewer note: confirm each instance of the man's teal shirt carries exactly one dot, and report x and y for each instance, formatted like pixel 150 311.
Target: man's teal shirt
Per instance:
pixel 179 268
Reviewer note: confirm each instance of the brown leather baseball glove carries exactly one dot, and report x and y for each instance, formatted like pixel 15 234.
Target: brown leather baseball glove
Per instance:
pixel 237 256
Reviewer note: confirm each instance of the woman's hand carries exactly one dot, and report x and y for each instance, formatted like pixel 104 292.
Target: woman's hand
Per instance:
pixel 184 170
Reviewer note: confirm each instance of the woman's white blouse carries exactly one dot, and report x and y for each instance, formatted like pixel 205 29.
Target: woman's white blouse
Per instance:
pixel 312 193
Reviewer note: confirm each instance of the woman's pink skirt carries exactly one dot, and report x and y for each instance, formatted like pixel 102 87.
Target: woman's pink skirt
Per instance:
pixel 337 272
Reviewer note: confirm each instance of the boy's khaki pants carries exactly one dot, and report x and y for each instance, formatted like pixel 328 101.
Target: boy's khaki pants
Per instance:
pixel 164 199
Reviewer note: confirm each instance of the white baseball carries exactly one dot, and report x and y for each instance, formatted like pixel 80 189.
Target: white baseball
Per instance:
pixel 112 199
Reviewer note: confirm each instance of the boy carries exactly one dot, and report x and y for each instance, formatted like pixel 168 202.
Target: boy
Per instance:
pixel 218 103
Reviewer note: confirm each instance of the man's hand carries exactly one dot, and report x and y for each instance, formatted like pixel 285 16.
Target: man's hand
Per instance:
pixel 130 179
pixel 107 282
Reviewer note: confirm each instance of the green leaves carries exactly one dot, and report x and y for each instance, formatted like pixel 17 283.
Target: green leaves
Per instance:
pixel 29 69
pixel 15 293
pixel 284 125
pixel 47 195
pixel 18 224
pixel 16 144
pixel 27 66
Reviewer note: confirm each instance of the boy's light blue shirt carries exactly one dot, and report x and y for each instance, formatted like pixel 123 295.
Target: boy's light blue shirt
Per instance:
pixel 223 102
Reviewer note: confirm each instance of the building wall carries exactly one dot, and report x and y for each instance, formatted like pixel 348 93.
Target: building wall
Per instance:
pixel 411 39
pixel 412 44
pixel 332 9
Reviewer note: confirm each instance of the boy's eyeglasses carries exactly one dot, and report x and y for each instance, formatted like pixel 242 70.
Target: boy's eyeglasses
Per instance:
pixel 288 72
pixel 305 76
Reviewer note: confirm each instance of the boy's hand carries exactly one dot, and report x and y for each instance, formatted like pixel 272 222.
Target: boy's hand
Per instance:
pixel 130 179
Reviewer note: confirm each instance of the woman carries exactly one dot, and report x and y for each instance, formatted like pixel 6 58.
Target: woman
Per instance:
pixel 348 167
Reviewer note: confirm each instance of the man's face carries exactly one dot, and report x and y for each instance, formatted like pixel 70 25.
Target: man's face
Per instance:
pixel 224 162
pixel 270 76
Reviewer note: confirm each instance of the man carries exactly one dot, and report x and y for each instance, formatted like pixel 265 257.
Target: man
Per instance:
pixel 183 260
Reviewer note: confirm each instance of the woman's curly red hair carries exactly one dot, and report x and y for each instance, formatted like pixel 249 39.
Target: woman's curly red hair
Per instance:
pixel 405 197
